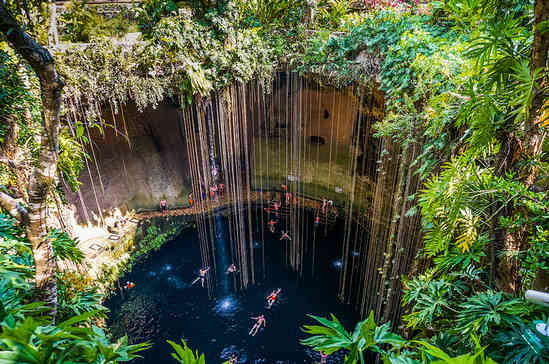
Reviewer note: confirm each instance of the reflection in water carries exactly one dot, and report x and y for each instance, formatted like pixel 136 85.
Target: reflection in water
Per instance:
pixel 337 264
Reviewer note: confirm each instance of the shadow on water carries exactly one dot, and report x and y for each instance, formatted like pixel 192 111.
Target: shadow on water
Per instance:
pixel 164 305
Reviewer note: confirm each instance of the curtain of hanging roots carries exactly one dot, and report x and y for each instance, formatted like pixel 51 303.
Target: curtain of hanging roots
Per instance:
pixel 254 140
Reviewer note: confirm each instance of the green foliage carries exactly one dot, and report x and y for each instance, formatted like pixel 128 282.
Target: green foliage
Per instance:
pixel 71 159
pixel 432 300
pixel 478 357
pixel 481 313
pixel 183 56
pixel 183 354
pixel 268 13
pixel 367 336
pixel 331 13
pixel 82 23
pixel 82 302
pixel 31 342
pixel 65 248
pixel 150 12
pixel 522 344
pixel 26 335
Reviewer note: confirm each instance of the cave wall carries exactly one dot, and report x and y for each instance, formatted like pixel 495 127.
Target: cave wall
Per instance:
pixel 327 112
pixel 138 171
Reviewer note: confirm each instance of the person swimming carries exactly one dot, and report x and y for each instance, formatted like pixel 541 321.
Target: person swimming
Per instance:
pixel 201 276
pixel 233 359
pixel 271 299
pixel 271 224
pixel 232 269
pixel 260 320
pixel 129 285
pixel 285 236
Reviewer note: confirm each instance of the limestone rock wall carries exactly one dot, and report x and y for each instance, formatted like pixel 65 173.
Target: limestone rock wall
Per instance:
pixel 137 171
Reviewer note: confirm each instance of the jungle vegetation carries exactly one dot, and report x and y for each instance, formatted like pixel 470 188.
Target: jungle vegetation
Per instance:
pixel 468 80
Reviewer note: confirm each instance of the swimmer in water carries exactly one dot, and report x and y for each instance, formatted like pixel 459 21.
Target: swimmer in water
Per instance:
pixel 285 236
pixel 272 225
pixel 260 320
pixel 271 299
pixel 232 269
pixel 233 359
pixel 201 276
pixel 129 285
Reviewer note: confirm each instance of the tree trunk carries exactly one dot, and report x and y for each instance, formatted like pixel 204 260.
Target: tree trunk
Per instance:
pixel 514 149
pixel 53 35
pixel 44 173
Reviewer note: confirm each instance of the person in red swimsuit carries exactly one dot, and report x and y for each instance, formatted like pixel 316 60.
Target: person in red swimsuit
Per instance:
pixel 272 225
pixel 271 299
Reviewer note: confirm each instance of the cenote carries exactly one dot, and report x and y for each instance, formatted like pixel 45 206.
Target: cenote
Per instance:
pixel 164 305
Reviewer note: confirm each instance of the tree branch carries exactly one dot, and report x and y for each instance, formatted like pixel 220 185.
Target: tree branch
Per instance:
pixel 14 208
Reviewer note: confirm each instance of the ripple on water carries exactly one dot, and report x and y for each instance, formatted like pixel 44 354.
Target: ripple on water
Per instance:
pixel 227 306
pixel 227 352
pixel 176 282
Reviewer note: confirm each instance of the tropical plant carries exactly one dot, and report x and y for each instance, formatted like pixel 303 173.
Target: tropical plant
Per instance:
pixel 65 248
pixel 431 351
pixel 431 300
pixel 331 336
pixel 31 342
pixel 184 355
pixel 522 344
pixel 269 12
pixel 150 12
pixel 482 312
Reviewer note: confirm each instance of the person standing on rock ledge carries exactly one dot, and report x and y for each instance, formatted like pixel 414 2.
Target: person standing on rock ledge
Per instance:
pixel 164 206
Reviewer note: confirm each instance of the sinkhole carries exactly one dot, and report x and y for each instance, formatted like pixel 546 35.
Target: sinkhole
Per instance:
pixel 165 305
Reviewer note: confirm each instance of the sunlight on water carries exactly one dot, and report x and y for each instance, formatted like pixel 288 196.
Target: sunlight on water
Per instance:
pixel 227 306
